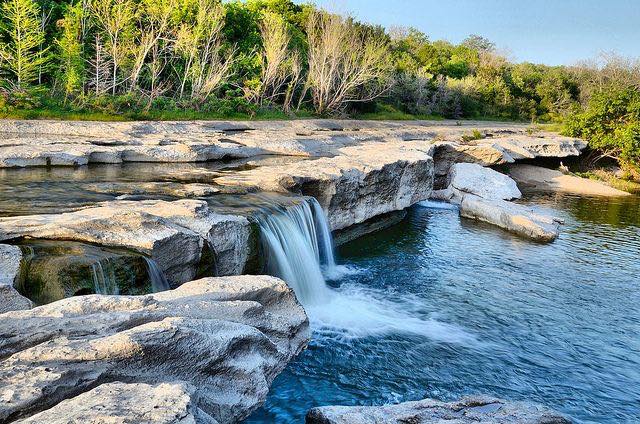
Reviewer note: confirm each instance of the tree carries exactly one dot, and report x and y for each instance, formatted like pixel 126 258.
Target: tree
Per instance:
pixel 280 66
pixel 152 27
pixel 346 64
pixel 200 44
pixel 22 56
pixel 116 18
pixel 70 43
pixel 479 43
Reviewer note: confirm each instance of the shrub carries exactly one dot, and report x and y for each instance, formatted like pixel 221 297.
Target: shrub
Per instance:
pixel 611 124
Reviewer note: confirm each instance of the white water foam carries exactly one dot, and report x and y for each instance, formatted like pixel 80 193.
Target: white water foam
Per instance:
pixel 298 248
pixel 437 204
pixel 354 312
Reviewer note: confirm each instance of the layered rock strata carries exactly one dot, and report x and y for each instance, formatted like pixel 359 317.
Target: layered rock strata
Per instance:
pixel 477 409
pixel 177 235
pixel 42 143
pixel 358 184
pixel 205 352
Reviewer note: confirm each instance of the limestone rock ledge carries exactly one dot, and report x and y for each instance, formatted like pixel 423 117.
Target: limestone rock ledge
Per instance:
pixel 58 143
pixel 477 409
pixel 205 352
pixel 175 234
pixel 482 194
pixel 359 183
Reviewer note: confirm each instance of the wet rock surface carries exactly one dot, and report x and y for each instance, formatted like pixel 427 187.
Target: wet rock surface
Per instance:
pixel 477 409
pixel 205 352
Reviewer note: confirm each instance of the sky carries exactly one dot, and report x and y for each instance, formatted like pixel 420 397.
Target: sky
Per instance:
pixel 554 32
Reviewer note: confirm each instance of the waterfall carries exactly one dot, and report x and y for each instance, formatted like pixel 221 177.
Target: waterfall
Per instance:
pixel 297 247
pixel 296 242
pixel 158 281
pixel 104 279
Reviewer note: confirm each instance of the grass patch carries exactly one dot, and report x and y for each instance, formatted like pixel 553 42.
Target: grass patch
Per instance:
pixel 556 127
pixel 395 115
pixel 152 115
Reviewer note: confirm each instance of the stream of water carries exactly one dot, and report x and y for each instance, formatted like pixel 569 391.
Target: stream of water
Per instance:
pixel 442 307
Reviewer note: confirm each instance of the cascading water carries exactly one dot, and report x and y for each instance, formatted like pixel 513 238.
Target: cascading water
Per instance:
pixel 104 279
pixel 158 281
pixel 297 244
pixel 296 241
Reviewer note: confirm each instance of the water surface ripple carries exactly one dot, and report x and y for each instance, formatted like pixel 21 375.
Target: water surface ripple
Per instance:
pixel 557 324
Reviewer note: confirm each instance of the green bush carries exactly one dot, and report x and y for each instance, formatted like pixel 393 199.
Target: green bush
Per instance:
pixel 611 124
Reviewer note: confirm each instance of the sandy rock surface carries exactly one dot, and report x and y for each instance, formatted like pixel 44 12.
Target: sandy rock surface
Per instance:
pixel 544 179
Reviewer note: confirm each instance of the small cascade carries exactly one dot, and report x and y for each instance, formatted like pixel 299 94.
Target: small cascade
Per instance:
pixel 158 281
pixel 104 278
pixel 297 245
pixel 296 241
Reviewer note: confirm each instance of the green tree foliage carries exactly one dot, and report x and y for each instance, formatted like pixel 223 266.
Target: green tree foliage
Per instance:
pixel 72 65
pixel 277 56
pixel 21 55
pixel 611 123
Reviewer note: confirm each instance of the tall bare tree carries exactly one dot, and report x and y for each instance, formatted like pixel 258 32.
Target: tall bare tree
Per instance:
pixel 346 64
pixel 153 25
pixel 200 44
pixel 116 19
pixel 280 65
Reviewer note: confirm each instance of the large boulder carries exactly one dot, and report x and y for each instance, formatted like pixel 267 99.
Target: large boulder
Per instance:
pixel 484 182
pixel 515 218
pixel 482 194
pixel 471 410
pixel 209 349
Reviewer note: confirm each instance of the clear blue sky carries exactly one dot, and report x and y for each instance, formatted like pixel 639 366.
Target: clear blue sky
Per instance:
pixel 543 31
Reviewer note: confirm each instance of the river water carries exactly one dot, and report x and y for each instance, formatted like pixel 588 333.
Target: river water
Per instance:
pixel 442 307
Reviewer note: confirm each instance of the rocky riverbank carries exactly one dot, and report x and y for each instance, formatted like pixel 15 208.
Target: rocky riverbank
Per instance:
pixel 357 170
pixel 207 350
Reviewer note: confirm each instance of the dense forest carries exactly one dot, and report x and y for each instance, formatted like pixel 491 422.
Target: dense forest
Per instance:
pixel 171 59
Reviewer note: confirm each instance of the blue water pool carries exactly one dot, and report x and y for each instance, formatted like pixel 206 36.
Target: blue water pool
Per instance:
pixel 442 307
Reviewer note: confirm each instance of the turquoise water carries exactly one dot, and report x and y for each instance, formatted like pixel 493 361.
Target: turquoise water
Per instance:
pixel 442 307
